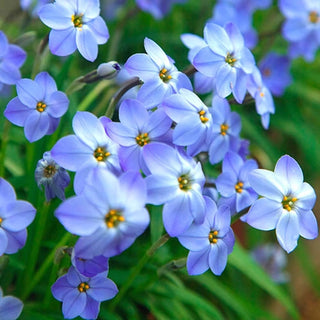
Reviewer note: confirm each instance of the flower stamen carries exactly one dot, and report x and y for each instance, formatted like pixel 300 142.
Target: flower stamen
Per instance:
pixel 164 76
pixel 239 187
pixel 213 236
pixel 142 139
pixel 184 182
pixel 101 154
pixel 113 218
pixel 41 106
pixel 313 17
pixel 77 20
pixel 230 59
pixel 224 129
pixel 49 171
pixel 83 287
pixel 202 116
pixel 288 202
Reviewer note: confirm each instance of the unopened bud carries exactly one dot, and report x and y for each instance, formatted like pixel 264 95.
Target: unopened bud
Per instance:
pixel 108 70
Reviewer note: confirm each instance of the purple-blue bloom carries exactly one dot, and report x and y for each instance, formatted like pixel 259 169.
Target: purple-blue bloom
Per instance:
pixel 209 243
pixel 53 177
pixel 275 72
pixel 109 214
pixel 225 130
pixel 176 181
pixel 193 120
pixel 75 24
pixel 38 106
pixel 10 307
pixel 160 76
pixel 285 205
pixel 302 26
pixel 15 216
pixel 261 94
pixel 226 58
pixel 158 8
pixel 80 295
pixel 273 260
pixel 233 183
pixel 90 267
pixel 138 128
pixel 12 57
pixel 89 148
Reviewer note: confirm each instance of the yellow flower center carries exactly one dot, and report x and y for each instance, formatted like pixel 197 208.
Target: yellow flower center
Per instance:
pixel 49 171
pixel 213 236
pixel 288 202
pixel 164 76
pixel 224 129
pixel 230 59
pixel 142 139
pixel 101 154
pixel 41 106
pixel 83 287
pixel 202 115
pixel 314 17
pixel 184 182
pixel 77 20
pixel 1 221
pixel 239 187
pixel 113 218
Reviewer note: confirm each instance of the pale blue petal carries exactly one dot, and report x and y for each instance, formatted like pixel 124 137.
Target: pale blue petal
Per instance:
pixel 63 42
pixel 198 261
pixel 308 226
pixel 87 43
pixel 99 29
pixel 287 231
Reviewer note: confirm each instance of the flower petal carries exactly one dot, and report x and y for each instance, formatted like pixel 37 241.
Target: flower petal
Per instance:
pixel 287 231
pixel 87 43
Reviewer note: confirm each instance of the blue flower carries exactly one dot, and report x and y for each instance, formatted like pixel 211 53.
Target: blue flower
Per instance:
pixel 89 148
pixel 275 73
pixel 286 203
pixel 38 107
pixel 12 58
pixel 301 27
pixel 54 178
pixel 193 120
pixel 226 58
pixel 176 181
pixel 209 243
pixel 261 94
pixel 75 24
pixel 158 72
pixel 225 130
pixel 233 183
pixel 80 295
pixel 108 215
pixel 138 128
pixel 15 216
pixel 158 8
pixel 10 307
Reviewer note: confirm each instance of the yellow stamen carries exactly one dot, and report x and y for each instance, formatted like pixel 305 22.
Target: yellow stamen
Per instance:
pixel 83 287
pixel 101 154
pixel 230 59
pixel 164 76
pixel 202 116
pixel 77 20
pixel 142 139
pixel 239 187
pixel 184 182
pixel 41 106
pixel 49 171
pixel 288 202
pixel 113 218
pixel 213 236
pixel 261 94
pixel 223 129
pixel 314 17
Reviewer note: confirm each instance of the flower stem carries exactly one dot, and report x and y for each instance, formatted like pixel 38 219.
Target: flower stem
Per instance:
pixel 4 141
pixel 137 269
pixel 46 264
pixel 131 83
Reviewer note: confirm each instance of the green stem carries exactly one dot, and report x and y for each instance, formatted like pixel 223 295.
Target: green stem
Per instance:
pixel 36 244
pixel 131 83
pixel 46 264
pixel 4 138
pixel 37 61
pixel 137 269
pixel 239 215
pixel 98 89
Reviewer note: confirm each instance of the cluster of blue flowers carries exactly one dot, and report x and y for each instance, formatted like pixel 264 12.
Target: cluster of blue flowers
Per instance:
pixel 155 153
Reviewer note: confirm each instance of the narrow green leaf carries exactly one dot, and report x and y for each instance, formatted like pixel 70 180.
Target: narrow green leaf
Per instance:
pixel 243 262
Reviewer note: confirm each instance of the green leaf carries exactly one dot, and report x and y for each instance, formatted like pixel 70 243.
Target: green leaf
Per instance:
pixel 156 225
pixel 243 262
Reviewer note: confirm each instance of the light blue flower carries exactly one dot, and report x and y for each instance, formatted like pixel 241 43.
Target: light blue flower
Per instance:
pixel 285 205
